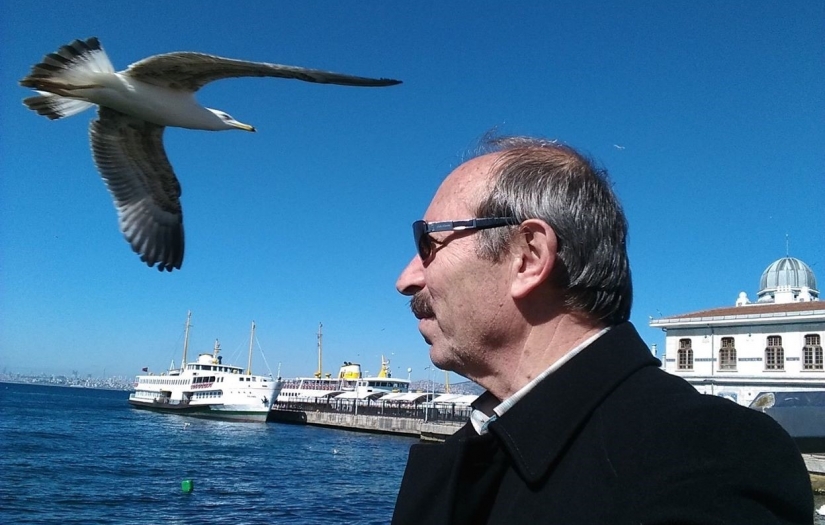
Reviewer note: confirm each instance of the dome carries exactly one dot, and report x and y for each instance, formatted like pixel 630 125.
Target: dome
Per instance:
pixel 787 275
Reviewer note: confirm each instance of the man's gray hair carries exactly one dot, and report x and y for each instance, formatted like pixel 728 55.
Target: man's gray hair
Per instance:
pixel 535 178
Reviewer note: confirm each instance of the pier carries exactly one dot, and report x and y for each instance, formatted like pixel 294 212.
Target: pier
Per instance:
pixel 816 468
pixel 427 424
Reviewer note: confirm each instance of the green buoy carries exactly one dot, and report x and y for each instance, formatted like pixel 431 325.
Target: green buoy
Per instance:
pixel 187 485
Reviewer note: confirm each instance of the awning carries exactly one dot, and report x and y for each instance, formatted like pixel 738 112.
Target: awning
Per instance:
pixel 405 397
pixel 395 396
pixel 319 394
pixel 466 399
pixel 455 399
pixel 446 398
pixel 359 395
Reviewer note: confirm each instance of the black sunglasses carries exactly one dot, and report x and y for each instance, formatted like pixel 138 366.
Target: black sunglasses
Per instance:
pixel 423 229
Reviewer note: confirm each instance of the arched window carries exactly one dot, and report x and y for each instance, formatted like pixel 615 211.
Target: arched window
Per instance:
pixel 685 355
pixel 774 354
pixel 727 354
pixel 812 353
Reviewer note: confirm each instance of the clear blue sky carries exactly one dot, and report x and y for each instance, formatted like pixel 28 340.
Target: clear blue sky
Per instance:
pixel 718 109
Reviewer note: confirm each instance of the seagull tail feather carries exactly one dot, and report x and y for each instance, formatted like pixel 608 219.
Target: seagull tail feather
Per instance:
pixel 72 67
pixel 54 106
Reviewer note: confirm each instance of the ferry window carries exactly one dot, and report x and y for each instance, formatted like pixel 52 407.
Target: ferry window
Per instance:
pixel 727 354
pixel 774 354
pixel 685 355
pixel 812 353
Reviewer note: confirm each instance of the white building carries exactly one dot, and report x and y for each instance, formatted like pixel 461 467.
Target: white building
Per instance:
pixel 771 345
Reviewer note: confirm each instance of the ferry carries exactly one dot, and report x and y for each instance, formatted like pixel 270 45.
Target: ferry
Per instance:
pixel 208 388
pixel 348 384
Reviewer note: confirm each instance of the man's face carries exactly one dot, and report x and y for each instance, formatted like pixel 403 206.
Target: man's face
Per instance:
pixel 457 296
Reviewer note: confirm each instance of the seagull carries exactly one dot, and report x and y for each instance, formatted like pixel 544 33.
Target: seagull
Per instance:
pixel 134 107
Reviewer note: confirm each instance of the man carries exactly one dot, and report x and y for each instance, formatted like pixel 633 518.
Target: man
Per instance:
pixel 522 284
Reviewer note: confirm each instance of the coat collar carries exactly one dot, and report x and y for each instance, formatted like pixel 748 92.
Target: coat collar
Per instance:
pixel 566 399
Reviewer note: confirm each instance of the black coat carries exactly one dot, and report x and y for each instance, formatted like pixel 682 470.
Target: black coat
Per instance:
pixel 610 438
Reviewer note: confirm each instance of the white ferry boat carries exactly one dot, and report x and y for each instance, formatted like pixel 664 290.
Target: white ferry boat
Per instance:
pixel 208 388
pixel 348 384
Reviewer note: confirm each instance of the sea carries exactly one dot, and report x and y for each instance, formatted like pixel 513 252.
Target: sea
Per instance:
pixel 79 455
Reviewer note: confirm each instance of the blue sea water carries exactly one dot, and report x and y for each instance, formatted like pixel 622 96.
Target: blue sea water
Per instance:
pixel 75 455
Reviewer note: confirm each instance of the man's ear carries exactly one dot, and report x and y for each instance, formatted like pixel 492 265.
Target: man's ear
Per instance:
pixel 534 256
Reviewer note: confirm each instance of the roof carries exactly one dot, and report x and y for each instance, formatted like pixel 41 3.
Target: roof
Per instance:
pixel 457 399
pixel 446 398
pixel 318 394
pixel 406 397
pixel 359 395
pixel 787 271
pixel 750 312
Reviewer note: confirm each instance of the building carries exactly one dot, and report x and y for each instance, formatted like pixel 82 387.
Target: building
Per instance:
pixel 771 345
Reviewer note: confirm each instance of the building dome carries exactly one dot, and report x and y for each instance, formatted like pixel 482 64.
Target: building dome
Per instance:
pixel 788 276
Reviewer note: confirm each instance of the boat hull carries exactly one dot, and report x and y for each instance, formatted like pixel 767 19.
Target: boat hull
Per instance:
pixel 223 412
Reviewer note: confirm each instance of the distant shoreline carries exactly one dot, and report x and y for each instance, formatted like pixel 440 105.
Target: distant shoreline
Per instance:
pixel 12 382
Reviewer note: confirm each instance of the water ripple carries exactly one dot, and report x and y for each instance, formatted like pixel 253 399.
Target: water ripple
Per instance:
pixel 84 456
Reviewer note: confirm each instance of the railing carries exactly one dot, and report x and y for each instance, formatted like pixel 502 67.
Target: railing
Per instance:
pixel 438 413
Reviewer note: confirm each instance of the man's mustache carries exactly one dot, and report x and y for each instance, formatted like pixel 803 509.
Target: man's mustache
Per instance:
pixel 421 306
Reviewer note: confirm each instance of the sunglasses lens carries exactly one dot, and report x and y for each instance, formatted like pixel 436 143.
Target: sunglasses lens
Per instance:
pixel 422 240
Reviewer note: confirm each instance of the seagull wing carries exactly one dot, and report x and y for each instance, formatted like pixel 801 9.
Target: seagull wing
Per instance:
pixel 129 154
pixel 192 71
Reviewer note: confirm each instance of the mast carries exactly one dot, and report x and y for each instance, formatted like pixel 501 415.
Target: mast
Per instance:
pixel 251 339
pixel 320 371
pixel 186 340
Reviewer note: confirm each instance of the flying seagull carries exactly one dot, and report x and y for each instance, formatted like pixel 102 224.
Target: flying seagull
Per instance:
pixel 134 107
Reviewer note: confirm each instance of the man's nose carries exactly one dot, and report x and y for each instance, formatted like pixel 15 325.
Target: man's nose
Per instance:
pixel 411 279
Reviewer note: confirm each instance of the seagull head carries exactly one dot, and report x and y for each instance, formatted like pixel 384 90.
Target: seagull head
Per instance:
pixel 227 122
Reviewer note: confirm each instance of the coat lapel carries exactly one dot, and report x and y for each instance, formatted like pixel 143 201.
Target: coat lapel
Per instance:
pixel 537 429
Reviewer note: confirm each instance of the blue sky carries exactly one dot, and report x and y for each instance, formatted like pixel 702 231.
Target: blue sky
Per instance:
pixel 717 109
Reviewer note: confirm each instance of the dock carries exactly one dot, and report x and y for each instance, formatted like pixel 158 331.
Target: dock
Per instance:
pixel 816 468
pixel 413 425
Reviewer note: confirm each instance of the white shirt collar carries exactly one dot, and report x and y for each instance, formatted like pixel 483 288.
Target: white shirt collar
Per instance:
pixel 480 420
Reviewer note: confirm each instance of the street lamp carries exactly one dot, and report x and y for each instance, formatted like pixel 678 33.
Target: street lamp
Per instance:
pixel 430 391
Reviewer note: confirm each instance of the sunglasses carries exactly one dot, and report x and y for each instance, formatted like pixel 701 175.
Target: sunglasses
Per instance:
pixel 423 229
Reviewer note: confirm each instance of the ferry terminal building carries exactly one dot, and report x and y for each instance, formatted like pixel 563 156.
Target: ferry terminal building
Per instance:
pixel 771 345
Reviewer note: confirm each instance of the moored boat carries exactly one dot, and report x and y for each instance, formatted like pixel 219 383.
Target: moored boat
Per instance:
pixel 208 388
pixel 347 385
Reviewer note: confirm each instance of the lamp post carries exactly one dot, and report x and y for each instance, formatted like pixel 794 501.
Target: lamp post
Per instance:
pixel 430 391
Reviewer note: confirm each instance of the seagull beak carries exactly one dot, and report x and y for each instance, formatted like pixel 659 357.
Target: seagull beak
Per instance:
pixel 241 125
